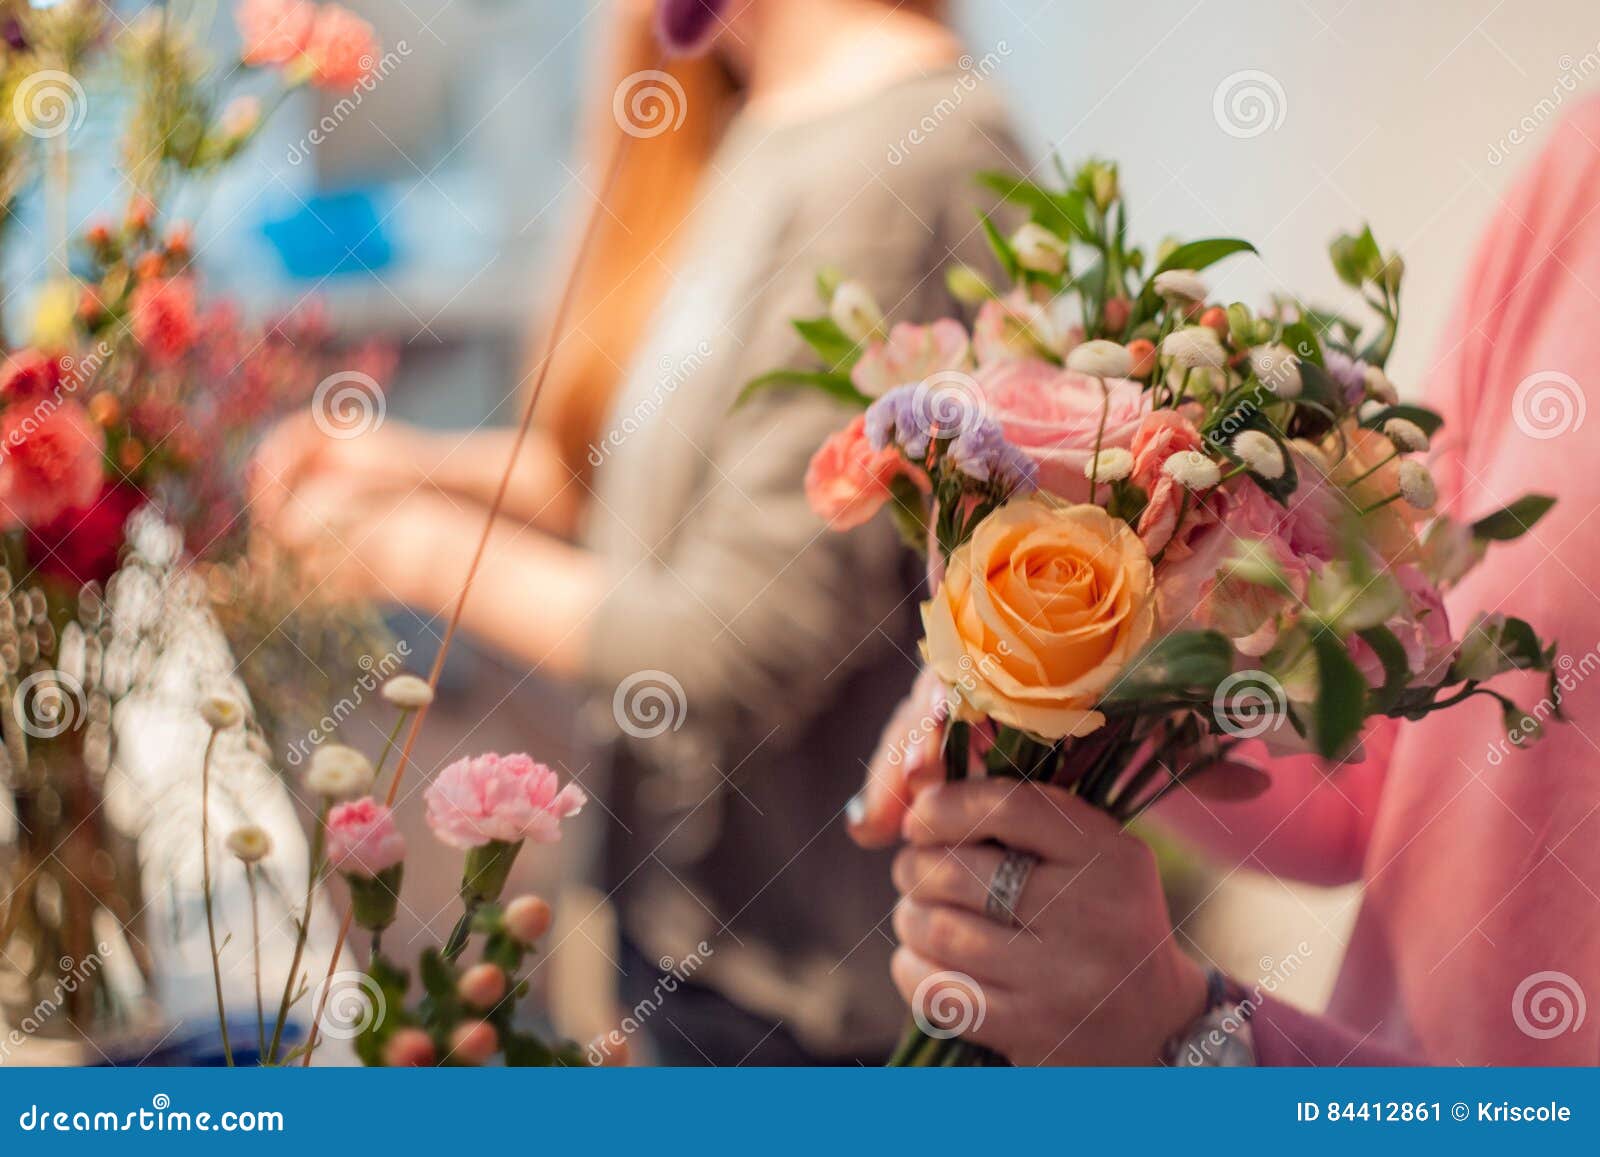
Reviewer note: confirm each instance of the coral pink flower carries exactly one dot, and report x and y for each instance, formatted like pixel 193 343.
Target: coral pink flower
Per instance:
pixel 1052 415
pixel 52 461
pixel 499 797
pixel 1013 327
pixel 29 376
pixel 164 318
pixel 409 1048
pixel 1162 434
pixel 912 353
pixel 342 48
pixel 274 31
pixel 363 839
pixel 847 481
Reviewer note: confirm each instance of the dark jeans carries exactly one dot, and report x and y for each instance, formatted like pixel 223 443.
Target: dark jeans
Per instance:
pixel 697 1026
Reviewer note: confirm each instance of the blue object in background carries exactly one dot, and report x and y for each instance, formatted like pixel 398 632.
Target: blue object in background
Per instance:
pixel 332 233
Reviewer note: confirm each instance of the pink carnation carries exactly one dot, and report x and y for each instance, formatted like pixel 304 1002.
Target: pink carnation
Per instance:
pixel 912 353
pixel 1052 415
pixel 165 318
pixel 274 31
pixel 847 481
pixel 50 461
pixel 342 49
pixel 499 797
pixel 1161 434
pixel 363 839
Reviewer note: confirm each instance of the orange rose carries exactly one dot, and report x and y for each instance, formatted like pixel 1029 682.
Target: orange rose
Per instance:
pixel 1357 453
pixel 1039 613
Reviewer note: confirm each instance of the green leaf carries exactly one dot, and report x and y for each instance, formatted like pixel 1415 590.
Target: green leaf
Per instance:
pixel 438 976
pixel 1191 255
pixel 1303 340
pixel 824 336
pixel 526 1051
pixel 1064 214
pixel 1185 663
pixel 1512 522
pixel 1520 644
pixel 1340 709
pixel 1319 389
pixel 1396 668
pixel 834 385
pixel 1002 249
pixel 1427 420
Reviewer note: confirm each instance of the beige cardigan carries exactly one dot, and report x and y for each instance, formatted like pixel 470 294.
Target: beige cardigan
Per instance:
pixel 773 649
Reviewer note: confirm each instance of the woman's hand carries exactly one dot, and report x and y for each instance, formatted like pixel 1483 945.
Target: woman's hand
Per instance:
pixel 392 456
pixel 1093 976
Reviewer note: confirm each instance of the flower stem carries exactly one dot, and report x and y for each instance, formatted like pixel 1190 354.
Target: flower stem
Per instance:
pixel 255 944
pixel 205 886
pixel 388 746
pixel 313 872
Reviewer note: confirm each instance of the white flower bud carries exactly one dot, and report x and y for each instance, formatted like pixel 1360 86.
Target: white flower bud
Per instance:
pixel 251 844
pixel 1278 369
pixel 339 772
pixel 1379 387
pixel 1181 285
pixel 1039 250
pixel 1406 435
pixel 855 311
pixel 1192 469
pixel 221 712
pixel 1195 346
pixel 1101 359
pixel 407 692
pixel 1416 485
pixel 1260 453
pixel 1110 465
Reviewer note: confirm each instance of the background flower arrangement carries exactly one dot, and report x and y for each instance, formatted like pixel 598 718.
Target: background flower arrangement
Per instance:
pixel 1157 527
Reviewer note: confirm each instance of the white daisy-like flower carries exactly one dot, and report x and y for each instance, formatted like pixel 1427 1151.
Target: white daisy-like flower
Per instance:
pixel 1039 250
pixel 1278 369
pixel 407 692
pixel 1406 435
pixel 339 772
pixel 1192 469
pixel 1101 359
pixel 1379 387
pixel 1194 347
pixel 1181 285
pixel 221 712
pixel 855 311
pixel 1416 485
pixel 251 843
pixel 1110 465
pixel 1260 453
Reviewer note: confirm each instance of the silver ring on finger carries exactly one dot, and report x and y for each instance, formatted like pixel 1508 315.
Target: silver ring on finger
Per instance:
pixel 1005 887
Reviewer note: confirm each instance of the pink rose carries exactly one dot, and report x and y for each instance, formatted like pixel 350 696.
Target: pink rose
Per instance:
pixel 342 49
pixel 363 839
pixel 912 353
pixel 1052 415
pixel 508 798
pixel 847 481
pixel 165 319
pixel 274 31
pixel 1161 434
pixel 1423 631
pixel 50 461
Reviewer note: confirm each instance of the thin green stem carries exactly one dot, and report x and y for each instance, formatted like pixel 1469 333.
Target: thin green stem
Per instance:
pixel 388 746
pixel 255 944
pixel 205 885
pixel 313 874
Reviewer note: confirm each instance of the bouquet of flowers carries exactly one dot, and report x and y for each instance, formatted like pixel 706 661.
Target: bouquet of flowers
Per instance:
pixel 125 389
pixel 1157 527
pixel 487 807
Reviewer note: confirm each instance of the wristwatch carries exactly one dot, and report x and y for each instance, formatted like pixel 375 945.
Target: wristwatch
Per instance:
pixel 1220 1037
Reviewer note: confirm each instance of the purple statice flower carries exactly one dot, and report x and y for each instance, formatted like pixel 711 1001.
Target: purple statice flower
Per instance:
pixel 982 453
pixel 895 419
pixel 1349 372
pixel 686 27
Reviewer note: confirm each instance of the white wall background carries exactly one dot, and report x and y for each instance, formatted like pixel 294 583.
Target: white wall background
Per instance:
pixel 1391 112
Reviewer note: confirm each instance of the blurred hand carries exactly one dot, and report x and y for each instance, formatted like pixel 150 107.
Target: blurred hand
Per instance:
pixel 1093 977
pixel 908 759
pixel 392 456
